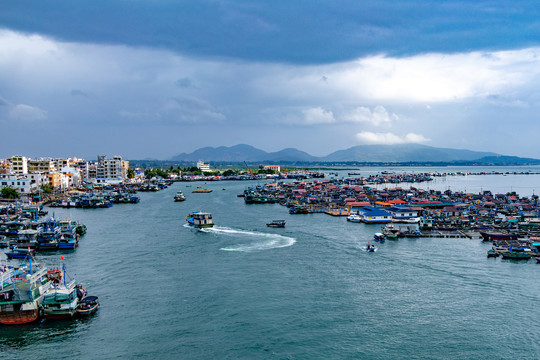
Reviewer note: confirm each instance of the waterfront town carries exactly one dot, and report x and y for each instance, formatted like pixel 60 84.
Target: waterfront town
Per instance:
pixel 31 188
pixel 404 212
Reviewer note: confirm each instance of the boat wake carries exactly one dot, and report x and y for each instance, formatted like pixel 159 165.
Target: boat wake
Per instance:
pixel 263 241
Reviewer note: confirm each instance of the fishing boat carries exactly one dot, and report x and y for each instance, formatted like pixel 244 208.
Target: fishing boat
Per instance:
pixel 62 299
pixel 378 237
pixel 298 209
pixel 18 253
pixel 21 293
pixel 496 236
pixel 200 219
pixel 276 223
pixel 517 254
pixel 87 306
pixel 492 253
pixel 179 196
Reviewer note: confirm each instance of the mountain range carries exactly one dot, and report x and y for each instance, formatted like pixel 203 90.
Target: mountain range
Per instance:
pixel 402 153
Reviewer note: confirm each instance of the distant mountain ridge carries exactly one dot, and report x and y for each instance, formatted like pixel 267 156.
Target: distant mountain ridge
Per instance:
pixel 362 153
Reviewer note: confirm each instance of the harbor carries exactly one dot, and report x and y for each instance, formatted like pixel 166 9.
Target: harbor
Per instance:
pixel 147 264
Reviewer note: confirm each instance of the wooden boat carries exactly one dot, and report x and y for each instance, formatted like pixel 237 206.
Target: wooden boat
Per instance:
pixel 202 191
pixel 276 223
pixel 18 253
pixel 516 255
pixel 62 299
pixel 21 294
pixel 495 236
pixel 87 306
pixel 492 253
pixel 200 219
pixel 537 260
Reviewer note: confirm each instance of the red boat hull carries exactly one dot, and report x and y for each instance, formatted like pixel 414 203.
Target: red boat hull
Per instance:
pixel 19 317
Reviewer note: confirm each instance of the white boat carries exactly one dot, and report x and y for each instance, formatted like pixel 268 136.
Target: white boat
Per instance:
pixel 179 196
pixel 354 218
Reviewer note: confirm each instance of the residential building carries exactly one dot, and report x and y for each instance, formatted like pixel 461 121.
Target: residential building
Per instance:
pixel 42 166
pixel 23 183
pixel 204 167
pixel 276 168
pixel 111 170
pixel 19 165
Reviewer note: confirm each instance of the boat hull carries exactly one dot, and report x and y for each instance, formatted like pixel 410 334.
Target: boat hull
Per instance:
pixel 19 317
pixel 59 314
pixel 87 312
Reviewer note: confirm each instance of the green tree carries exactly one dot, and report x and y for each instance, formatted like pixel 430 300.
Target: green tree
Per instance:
pixel 9 193
pixel 130 173
pixel 47 188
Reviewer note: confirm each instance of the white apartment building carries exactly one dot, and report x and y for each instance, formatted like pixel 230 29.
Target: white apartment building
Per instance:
pixel 204 167
pixel 19 165
pixel 24 183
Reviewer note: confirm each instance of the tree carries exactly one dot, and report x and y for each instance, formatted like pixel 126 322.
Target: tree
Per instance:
pixel 130 173
pixel 9 193
pixel 47 188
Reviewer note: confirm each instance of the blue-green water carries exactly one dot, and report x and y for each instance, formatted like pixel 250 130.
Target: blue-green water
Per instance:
pixel 308 291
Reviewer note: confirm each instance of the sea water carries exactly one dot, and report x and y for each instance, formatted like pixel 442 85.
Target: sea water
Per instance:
pixel 242 290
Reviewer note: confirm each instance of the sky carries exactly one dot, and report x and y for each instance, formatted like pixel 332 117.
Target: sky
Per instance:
pixel 152 79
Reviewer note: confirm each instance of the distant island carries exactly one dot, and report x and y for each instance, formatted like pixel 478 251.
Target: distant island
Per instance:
pixel 387 155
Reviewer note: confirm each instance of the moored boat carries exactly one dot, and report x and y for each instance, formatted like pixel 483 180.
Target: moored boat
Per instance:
pixel 492 253
pixel 200 219
pixel 21 293
pixel 201 191
pixel 62 299
pixel 495 236
pixel 18 253
pixel 516 254
pixel 87 306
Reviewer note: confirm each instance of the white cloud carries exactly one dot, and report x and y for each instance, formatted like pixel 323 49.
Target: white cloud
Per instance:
pixel 378 116
pixel 318 116
pixel 367 137
pixel 27 113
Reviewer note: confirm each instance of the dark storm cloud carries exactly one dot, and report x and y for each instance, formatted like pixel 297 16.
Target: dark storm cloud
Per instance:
pixel 302 31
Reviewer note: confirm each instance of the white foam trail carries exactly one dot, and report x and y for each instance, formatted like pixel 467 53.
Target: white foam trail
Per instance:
pixel 264 241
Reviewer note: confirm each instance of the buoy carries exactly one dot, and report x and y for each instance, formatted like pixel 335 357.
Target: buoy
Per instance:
pixel 62 257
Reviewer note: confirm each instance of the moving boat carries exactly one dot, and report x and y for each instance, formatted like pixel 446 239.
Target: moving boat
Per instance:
pixel 378 237
pixel 370 248
pixel 179 196
pixel 276 223
pixel 200 219
pixel 202 191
